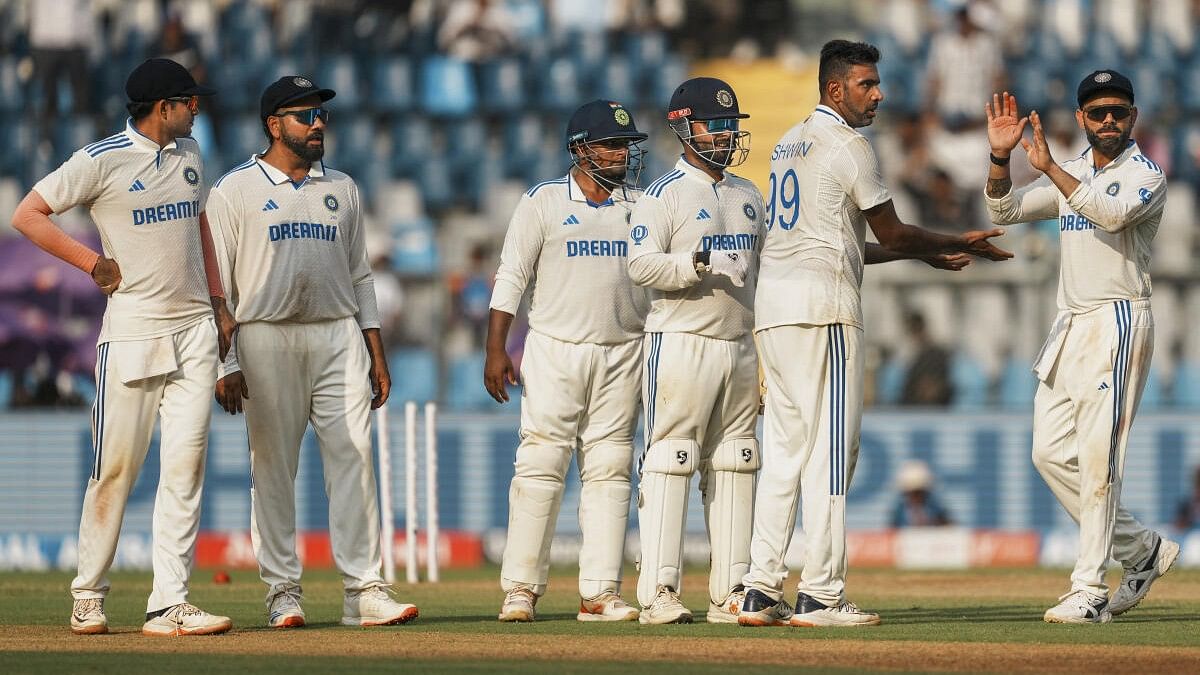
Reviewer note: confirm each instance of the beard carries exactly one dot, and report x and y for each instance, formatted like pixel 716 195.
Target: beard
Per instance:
pixel 301 147
pixel 1110 146
pixel 613 175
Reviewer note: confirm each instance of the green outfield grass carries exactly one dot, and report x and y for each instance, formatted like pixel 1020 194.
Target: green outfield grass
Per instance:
pixel 937 621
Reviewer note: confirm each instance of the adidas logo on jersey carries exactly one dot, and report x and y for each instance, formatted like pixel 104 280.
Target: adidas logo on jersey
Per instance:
pixel 703 215
pixel 571 220
pixel 1102 387
pixel 137 186
pixel 270 205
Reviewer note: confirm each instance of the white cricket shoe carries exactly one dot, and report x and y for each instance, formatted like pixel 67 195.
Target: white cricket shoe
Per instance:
pixel 1135 582
pixel 373 606
pixel 283 607
pixel 88 617
pixel 727 611
pixel 185 619
pixel 665 608
pixel 518 605
pixel 607 606
pixel 1079 607
pixel 760 610
pixel 811 613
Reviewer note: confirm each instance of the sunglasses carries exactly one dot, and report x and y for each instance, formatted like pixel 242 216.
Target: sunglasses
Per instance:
pixel 308 116
pixel 190 101
pixel 1101 112
pixel 722 125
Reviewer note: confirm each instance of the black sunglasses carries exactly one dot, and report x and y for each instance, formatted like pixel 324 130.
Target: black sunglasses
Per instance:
pixel 1101 112
pixel 308 116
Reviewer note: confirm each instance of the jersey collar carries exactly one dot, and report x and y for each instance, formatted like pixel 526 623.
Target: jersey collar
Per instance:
pixel 696 172
pixel 576 194
pixel 826 110
pixel 278 177
pixel 142 140
pixel 1131 148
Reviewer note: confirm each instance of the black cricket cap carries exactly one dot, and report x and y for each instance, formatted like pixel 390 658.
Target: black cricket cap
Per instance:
pixel 156 79
pixel 599 120
pixel 1103 80
pixel 704 98
pixel 287 89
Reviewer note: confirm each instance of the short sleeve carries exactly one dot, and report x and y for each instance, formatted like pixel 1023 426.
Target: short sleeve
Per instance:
pixel 77 181
pixel 857 169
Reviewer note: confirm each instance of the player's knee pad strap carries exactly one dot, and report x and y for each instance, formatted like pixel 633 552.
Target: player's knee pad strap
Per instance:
pixel 662 513
pixel 731 513
pixel 739 455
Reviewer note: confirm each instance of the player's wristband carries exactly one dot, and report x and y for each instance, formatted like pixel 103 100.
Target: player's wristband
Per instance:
pixel 999 161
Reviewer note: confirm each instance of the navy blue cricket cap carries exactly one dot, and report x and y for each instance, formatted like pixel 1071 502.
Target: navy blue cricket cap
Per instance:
pixel 156 79
pixel 601 120
pixel 704 98
pixel 287 89
pixel 1104 80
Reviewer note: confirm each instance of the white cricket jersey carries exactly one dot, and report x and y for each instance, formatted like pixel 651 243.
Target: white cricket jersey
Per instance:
pixel 146 203
pixel 1105 226
pixel 682 212
pixel 573 252
pixel 824 174
pixel 292 252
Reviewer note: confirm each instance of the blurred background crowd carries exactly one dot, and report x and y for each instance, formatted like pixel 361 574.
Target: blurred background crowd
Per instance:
pixel 447 110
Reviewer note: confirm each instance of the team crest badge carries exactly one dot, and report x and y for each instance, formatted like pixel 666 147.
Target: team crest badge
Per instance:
pixel 621 116
pixel 302 82
pixel 191 175
pixel 1112 189
pixel 1101 78
pixel 331 203
pixel 748 209
pixel 724 98
pixel 639 232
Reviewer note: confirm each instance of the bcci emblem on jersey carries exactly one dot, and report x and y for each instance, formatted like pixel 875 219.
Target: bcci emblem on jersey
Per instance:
pixel 639 232
pixel 331 203
pixel 191 175
pixel 1113 188
pixel 748 209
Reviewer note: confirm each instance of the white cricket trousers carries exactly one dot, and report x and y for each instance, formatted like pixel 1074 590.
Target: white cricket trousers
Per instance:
pixel 581 396
pixel 122 424
pixel 814 378
pixel 299 374
pixel 700 395
pixel 1083 411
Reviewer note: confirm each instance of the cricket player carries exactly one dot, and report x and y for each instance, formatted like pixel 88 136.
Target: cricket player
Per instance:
pixel 291 246
pixel 825 190
pixel 582 366
pixel 158 348
pixel 694 242
pixel 1091 371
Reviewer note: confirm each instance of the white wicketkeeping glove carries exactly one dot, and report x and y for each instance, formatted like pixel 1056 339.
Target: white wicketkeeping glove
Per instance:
pixel 730 264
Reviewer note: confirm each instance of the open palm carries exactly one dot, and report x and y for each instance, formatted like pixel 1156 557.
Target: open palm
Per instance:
pixel 1005 125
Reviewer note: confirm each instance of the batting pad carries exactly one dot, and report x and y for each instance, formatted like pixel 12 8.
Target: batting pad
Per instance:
pixel 534 498
pixel 662 513
pixel 730 513
pixel 603 515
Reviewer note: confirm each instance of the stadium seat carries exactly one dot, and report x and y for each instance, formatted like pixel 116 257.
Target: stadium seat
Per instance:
pixel 560 86
pixel 12 93
pixel 354 144
pixel 502 86
pixel 414 375
pixel 970 383
pixel 392 84
pixel 1153 396
pixel 662 82
pixel 415 251
pixel 6 389
pixel 436 183
pixel 340 73
pixel 465 388
pixel 619 84
pixel 447 87
pixel 1017 385
pixel 889 382
pixel 522 143
pixel 1187 386
pixel 412 141
pixel 71 134
pixel 466 141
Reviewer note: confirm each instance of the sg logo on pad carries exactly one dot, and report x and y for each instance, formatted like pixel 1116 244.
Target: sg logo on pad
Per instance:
pixel 681 456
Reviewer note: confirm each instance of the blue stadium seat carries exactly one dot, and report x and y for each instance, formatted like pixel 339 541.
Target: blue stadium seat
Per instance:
pixel 447 87
pixel 415 252
pixel 663 80
pixel 1187 386
pixel 1153 396
pixel 243 135
pixel 71 134
pixel 889 382
pixel 238 84
pixel 6 389
pixel 618 83
pixel 560 90
pixel 1018 385
pixel 414 375
pixel 436 182
pixel 647 51
pixel 502 86
pixel 12 93
pixel 522 144
pixel 970 383
pixel 392 84
pixel 465 388
pixel 354 142
pixel 466 141
pixel 85 386
pixel 340 74
pixel 588 49
pixel 412 141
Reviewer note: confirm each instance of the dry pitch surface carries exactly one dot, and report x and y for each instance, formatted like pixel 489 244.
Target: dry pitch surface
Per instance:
pixel 933 622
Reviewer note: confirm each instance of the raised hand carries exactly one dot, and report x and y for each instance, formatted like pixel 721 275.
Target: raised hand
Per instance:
pixel 976 243
pixel 1038 150
pixel 1005 125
